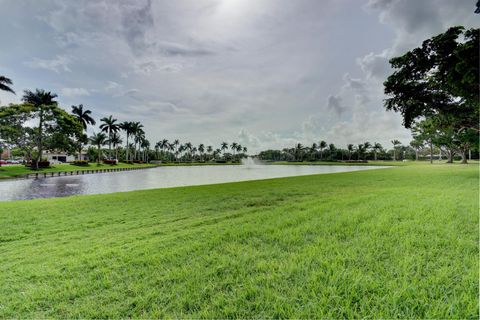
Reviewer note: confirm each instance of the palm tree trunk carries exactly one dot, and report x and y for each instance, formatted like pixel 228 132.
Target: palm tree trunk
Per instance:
pixel 126 149
pixel 109 143
pixel 375 153
pixel 431 151
pixel 40 139
pixel 98 154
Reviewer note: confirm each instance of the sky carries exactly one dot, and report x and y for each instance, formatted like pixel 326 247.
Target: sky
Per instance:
pixel 264 73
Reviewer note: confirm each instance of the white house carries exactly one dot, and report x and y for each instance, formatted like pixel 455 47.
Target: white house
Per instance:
pixel 62 157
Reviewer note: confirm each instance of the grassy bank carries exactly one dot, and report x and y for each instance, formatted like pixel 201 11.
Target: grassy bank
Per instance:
pixel 369 163
pixel 388 243
pixel 15 171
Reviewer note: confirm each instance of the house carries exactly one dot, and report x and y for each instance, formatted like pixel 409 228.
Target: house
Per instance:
pixel 62 157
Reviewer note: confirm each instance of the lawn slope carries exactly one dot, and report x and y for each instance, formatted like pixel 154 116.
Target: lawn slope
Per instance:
pixel 389 243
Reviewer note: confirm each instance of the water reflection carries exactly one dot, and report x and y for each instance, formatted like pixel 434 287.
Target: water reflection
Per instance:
pixel 161 177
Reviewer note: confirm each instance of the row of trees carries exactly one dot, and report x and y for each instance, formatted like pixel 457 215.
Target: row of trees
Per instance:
pixel 58 130
pixel 330 152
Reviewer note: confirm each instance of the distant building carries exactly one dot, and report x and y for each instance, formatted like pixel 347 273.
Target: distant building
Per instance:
pixel 63 157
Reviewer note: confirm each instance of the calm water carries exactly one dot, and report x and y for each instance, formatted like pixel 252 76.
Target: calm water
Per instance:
pixel 160 177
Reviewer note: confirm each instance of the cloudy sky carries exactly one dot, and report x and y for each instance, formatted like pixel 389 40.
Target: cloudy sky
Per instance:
pixel 265 73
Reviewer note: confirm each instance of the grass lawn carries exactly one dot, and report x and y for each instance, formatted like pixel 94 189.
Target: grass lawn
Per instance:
pixel 369 163
pixel 14 171
pixel 390 243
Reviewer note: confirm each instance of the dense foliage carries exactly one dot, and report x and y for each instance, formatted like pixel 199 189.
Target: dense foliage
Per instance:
pixel 436 89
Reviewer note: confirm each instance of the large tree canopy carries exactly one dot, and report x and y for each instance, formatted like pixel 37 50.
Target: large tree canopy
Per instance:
pixel 60 130
pixel 440 79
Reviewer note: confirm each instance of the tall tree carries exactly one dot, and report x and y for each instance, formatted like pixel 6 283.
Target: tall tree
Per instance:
pixel 110 126
pixel 416 144
pixel 138 133
pixel 439 79
pixel 201 149
pixel 128 127
pixel 85 118
pixel 49 116
pixel 322 145
pixel 115 141
pixel 376 148
pixel 395 143
pixel 98 140
pixel 223 147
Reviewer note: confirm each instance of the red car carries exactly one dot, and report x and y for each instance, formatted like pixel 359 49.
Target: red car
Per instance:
pixel 3 162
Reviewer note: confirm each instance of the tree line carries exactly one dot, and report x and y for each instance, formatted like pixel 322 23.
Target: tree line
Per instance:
pixel 60 131
pixel 323 151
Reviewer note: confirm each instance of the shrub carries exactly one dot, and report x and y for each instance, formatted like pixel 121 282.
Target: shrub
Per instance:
pixel 82 163
pixel 137 161
pixel 41 164
pixel 111 162
pixel 221 161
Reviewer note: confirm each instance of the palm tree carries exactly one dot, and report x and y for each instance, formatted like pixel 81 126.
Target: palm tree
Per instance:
pixel 175 145
pixel 163 145
pixel 395 143
pixel 201 149
pixel 171 148
pixel 322 145
pixel 188 147
pixel 145 145
pixel 209 150
pixel 233 146
pixel 41 100
pixel 99 140
pixel 216 152
pixel 376 148
pixel 157 147
pixel 83 116
pixel 115 140
pixel 110 126
pixel 181 148
pixel 137 132
pixel 5 83
pixel 127 126
pixel 350 150
pixel 239 148
pixel 360 151
pixel 366 145
pixel 298 151
pixel 245 150
pixel 224 146
pixel 313 150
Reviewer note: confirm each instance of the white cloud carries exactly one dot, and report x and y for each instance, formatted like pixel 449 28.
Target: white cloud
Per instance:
pixel 74 92
pixel 58 64
pixel 269 73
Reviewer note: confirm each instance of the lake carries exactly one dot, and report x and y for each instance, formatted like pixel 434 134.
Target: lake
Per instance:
pixel 159 177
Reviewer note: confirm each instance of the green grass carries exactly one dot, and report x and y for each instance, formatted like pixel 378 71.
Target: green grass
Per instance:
pixel 369 163
pixel 15 171
pixel 390 243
